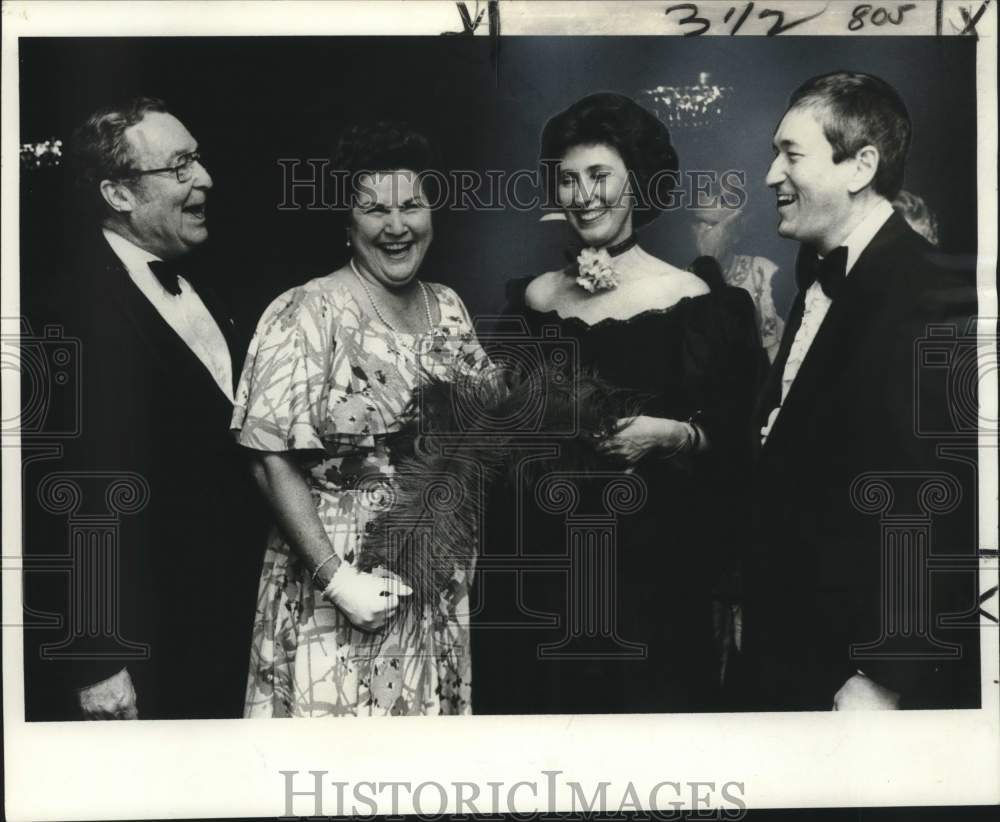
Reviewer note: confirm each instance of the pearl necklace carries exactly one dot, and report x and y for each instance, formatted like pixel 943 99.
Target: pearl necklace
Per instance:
pixel 378 313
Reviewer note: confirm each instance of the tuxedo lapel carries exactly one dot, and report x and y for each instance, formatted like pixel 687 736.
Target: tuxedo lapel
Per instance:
pixel 162 345
pixel 127 302
pixel 770 395
pixel 227 325
pixel 839 334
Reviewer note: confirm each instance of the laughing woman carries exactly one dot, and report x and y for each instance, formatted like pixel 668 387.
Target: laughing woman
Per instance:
pixel 329 374
pixel 631 630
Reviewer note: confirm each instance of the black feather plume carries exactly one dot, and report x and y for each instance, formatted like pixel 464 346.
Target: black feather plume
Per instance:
pixel 460 437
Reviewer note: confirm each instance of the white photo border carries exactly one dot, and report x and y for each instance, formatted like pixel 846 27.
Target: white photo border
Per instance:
pixel 232 768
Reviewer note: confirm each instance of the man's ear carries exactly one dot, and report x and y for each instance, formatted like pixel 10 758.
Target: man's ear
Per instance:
pixel 117 195
pixel 866 164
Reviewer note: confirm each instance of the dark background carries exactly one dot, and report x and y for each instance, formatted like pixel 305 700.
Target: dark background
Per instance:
pixel 250 101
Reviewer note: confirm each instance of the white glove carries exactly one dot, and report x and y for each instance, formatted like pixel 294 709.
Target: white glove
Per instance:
pixel 367 600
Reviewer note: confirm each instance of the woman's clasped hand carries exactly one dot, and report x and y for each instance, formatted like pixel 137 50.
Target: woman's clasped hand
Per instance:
pixel 368 600
pixel 635 438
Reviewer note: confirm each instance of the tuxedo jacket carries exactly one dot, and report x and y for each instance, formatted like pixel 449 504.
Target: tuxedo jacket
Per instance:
pixel 851 482
pixel 186 523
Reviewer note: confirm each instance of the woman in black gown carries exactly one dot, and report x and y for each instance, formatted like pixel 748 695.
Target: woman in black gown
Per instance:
pixel 607 601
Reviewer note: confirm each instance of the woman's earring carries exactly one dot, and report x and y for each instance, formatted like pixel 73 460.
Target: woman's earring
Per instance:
pixel 348 233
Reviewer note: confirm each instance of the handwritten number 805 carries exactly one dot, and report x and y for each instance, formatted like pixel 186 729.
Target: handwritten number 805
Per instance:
pixel 879 16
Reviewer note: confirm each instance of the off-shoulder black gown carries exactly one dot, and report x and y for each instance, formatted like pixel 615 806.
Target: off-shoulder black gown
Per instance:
pixel 623 623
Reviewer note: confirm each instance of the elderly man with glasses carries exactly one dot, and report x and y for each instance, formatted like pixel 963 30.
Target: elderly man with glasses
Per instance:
pixel 159 353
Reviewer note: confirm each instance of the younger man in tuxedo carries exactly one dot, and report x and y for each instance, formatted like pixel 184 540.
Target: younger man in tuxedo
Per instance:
pixel 167 633
pixel 838 614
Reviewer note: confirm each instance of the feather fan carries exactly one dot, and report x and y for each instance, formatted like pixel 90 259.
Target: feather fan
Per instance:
pixel 458 438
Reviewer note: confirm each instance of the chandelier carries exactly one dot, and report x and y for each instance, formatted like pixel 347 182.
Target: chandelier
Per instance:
pixel 45 154
pixel 703 104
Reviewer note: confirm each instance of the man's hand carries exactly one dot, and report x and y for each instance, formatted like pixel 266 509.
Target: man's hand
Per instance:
pixel 860 693
pixel 114 698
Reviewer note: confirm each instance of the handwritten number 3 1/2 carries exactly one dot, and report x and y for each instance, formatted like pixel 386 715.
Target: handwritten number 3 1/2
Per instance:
pixel 703 24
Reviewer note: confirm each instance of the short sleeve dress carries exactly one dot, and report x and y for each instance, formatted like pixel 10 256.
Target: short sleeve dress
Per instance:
pixel 327 381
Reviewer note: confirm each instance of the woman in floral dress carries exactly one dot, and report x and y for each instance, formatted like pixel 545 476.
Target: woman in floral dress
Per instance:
pixel 330 371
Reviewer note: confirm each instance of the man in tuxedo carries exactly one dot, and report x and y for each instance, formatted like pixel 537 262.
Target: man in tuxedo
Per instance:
pixel 841 609
pixel 170 624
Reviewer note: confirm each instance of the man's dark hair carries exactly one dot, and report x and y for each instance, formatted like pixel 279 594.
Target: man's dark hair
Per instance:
pixel 636 134
pixel 857 110
pixel 99 148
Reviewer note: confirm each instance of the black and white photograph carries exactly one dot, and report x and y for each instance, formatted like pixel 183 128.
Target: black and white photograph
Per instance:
pixel 585 407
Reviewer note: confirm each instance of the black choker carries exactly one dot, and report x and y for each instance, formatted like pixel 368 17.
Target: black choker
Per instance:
pixel 572 255
pixel 623 246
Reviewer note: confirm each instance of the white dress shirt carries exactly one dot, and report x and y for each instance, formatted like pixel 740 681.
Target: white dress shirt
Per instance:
pixel 185 313
pixel 817 304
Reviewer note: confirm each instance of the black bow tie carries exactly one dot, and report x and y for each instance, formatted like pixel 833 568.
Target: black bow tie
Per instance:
pixel 831 271
pixel 167 272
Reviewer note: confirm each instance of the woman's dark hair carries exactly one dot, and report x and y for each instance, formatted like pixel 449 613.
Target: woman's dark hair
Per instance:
pixel 382 146
pixel 635 133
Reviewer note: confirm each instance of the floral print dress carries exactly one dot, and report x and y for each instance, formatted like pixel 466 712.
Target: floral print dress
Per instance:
pixel 327 381
pixel 756 274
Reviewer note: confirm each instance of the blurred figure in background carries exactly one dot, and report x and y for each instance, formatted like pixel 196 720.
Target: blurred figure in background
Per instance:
pixel 719 233
pixel 917 215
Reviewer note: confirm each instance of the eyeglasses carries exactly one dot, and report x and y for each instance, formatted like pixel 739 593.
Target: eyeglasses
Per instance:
pixel 183 168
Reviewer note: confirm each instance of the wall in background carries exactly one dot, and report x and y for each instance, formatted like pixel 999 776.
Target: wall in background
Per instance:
pixel 252 101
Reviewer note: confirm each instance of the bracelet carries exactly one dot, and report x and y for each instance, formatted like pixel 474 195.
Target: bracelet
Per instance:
pixel 698 435
pixel 319 567
pixel 695 442
pixel 689 444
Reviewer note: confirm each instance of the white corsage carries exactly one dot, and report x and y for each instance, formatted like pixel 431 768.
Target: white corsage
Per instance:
pixel 594 270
